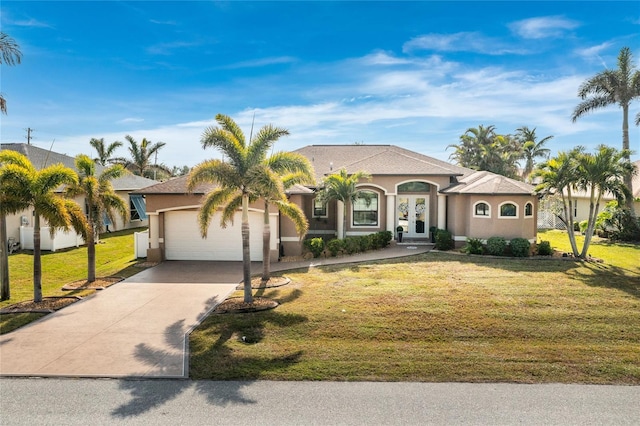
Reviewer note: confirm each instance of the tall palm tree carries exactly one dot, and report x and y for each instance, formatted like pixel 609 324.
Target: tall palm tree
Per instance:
pixel 105 152
pixel 531 148
pixel 143 158
pixel 341 186
pixel 101 200
pixel 612 87
pixel 292 169
pixel 243 176
pixel 559 176
pixel 36 189
pixel 599 174
pixel 468 152
pixel 10 55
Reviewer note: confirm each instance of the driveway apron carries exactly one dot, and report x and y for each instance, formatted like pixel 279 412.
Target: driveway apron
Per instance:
pixel 136 328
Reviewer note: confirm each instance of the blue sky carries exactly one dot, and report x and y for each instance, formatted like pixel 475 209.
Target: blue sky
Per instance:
pixel 413 74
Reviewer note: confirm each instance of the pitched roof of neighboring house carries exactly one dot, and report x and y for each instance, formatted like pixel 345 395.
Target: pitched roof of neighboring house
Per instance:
pixel 376 160
pixel 175 186
pixel 41 158
pixel 487 183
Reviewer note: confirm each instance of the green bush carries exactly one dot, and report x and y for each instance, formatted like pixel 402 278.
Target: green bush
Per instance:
pixel 583 226
pixel 444 241
pixel 335 246
pixel 544 248
pixel 520 247
pixel 496 246
pixel 385 238
pixel 474 246
pixel 351 245
pixel 315 246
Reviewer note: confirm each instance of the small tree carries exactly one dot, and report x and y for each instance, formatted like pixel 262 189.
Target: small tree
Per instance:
pixel 341 186
pixel 105 152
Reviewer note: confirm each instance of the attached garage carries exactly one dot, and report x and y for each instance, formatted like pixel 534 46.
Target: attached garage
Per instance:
pixel 182 240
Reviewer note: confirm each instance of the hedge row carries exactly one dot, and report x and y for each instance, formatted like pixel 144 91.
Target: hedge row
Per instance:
pixel 349 245
pixel 498 246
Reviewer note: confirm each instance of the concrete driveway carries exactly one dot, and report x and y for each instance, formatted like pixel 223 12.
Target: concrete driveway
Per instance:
pixel 136 328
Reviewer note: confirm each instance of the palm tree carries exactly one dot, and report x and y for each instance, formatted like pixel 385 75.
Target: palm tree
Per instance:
pixel 105 152
pixel 558 176
pixel 11 202
pixel 143 158
pixel 9 54
pixel 610 87
pixel 341 186
pixel 101 201
pixel 243 177
pixel 292 169
pixel 468 152
pixel 531 148
pixel 602 173
pixel 35 188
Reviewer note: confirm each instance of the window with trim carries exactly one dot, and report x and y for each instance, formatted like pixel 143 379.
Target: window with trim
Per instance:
pixel 365 209
pixel 482 209
pixel 508 210
pixel 319 208
pixel 528 209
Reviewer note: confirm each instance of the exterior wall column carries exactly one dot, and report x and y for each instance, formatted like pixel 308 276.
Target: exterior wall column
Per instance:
pixel 340 218
pixel 442 211
pixel 153 253
pixel 391 214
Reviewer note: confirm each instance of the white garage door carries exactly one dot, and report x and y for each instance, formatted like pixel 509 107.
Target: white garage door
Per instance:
pixel 182 240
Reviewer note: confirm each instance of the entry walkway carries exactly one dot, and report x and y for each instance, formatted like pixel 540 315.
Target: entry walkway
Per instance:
pixel 140 326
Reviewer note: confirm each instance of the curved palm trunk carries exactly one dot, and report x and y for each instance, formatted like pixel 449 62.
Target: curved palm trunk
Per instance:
pixel 5 293
pixel 91 254
pixel 246 253
pixel 567 205
pixel 593 213
pixel 37 260
pixel 266 250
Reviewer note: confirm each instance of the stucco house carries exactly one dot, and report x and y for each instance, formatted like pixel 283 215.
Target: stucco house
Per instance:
pixel 20 226
pixel 407 189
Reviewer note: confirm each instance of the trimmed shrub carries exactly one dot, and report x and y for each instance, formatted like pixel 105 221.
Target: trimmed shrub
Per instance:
pixel 351 245
pixel 496 246
pixel 520 247
pixel 444 241
pixel 315 246
pixel 474 246
pixel 544 248
pixel 335 246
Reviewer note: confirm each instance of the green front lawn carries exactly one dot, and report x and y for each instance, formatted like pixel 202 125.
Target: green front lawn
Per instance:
pixel 436 317
pixel 114 256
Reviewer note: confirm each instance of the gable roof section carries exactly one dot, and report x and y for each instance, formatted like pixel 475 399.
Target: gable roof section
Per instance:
pixel 175 186
pixel 376 160
pixel 41 158
pixel 487 183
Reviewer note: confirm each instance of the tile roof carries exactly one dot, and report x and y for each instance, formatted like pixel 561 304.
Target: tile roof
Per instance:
pixel 376 160
pixel 487 183
pixel 41 158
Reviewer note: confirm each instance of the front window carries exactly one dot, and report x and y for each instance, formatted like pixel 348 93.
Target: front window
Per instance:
pixel 365 209
pixel 319 208
pixel 508 210
pixel 482 209
pixel 528 209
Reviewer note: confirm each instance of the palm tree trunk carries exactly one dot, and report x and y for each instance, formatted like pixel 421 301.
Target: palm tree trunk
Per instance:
pixel 568 214
pixel 625 145
pixel 593 213
pixel 5 293
pixel 246 252
pixel 37 260
pixel 266 251
pixel 344 220
pixel 91 253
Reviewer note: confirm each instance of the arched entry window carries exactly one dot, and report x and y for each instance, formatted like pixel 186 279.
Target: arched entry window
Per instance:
pixel 413 187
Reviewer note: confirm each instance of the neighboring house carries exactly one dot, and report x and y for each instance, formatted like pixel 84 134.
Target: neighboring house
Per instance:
pixel 41 158
pixel 551 208
pixel 407 189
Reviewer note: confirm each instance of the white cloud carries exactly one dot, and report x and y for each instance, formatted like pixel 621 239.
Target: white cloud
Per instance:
pixel 130 120
pixel 460 42
pixel 543 27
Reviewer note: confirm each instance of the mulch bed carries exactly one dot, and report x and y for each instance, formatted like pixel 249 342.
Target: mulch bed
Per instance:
pixel 257 283
pixel 99 284
pixel 236 305
pixel 48 305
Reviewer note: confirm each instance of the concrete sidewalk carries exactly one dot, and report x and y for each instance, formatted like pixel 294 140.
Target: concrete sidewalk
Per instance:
pixel 140 326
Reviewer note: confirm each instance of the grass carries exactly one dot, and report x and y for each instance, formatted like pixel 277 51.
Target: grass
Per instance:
pixel 436 317
pixel 621 255
pixel 114 256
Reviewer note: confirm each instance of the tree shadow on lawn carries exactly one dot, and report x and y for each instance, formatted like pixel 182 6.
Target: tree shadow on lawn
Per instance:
pixel 149 394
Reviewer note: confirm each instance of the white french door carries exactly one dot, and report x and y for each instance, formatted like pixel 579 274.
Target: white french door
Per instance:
pixel 413 215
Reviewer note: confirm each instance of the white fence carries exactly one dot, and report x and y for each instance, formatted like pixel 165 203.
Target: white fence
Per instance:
pixel 141 243
pixel 60 240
